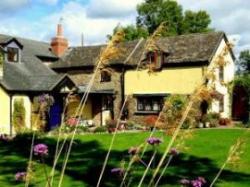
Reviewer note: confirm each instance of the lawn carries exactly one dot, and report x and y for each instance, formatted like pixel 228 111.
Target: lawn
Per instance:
pixel 205 153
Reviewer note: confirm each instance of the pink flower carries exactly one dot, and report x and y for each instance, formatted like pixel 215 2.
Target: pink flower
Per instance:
pixel 41 150
pixel 20 176
pixel 72 122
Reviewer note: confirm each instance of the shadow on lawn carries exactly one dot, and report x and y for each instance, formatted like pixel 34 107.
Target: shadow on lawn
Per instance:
pixel 87 158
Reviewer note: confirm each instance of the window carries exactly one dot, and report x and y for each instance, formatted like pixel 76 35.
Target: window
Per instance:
pixel 221 73
pixel 156 59
pixel 12 54
pixel 149 104
pixel 107 103
pixel 105 76
pixel 221 104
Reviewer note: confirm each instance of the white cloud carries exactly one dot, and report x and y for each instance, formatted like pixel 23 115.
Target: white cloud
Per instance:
pixel 75 22
pixel 98 18
pixel 230 16
pixel 7 5
pixel 112 8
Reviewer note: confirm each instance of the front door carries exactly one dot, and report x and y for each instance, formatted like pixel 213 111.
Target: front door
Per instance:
pixel 55 113
pixel 240 104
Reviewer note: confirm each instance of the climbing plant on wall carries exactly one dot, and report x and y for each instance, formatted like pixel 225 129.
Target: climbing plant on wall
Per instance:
pixel 19 115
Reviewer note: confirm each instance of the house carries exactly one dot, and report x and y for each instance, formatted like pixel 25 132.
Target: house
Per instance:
pixel 30 68
pixel 24 76
pixel 182 62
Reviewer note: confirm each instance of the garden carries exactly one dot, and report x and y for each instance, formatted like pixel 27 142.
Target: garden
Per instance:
pixel 201 156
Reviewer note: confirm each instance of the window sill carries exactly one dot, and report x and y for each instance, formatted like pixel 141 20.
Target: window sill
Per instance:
pixel 146 112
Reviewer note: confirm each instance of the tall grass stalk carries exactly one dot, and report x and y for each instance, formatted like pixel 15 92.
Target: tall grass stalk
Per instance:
pixel 118 122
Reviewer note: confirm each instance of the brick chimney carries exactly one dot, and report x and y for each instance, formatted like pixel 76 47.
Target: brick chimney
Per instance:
pixel 59 44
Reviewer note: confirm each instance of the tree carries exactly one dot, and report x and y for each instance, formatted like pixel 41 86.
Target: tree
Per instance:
pixel 132 32
pixel 153 12
pixel 244 62
pixel 195 22
pixel 243 72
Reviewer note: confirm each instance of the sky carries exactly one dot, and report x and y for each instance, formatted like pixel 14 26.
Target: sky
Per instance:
pixel 95 19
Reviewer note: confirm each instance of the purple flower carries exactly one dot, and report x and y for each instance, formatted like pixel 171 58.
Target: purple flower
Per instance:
pixel 154 141
pixel 173 152
pixel 196 183
pixel 118 171
pixel 184 182
pixel 42 98
pixel 20 176
pixel 202 180
pixel 41 150
pixel 133 150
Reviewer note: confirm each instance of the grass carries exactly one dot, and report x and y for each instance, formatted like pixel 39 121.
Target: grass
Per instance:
pixel 206 152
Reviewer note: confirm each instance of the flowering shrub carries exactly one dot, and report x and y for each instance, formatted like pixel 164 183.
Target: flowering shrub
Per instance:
pixel 151 120
pixel 20 176
pixel 154 141
pixel 41 150
pixel 224 121
pixel 46 98
pixel 72 122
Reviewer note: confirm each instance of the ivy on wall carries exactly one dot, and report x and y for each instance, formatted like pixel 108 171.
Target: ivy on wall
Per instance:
pixel 19 115
pixel 1 58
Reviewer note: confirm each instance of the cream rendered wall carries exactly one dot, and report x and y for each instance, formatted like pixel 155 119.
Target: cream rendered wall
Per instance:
pixel 27 106
pixel 229 71
pixel 181 80
pixel 4 112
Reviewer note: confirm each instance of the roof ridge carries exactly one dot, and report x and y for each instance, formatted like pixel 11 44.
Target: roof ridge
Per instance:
pixel 22 38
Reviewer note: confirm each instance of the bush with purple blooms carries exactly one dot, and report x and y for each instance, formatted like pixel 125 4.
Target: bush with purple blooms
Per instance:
pixel 198 182
pixel 20 176
pixel 41 150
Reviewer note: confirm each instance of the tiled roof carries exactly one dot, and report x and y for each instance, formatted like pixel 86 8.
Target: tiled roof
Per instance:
pixel 190 48
pixel 30 74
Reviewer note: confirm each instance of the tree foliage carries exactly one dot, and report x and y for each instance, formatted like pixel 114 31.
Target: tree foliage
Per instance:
pixel 151 13
pixel 244 62
pixel 132 32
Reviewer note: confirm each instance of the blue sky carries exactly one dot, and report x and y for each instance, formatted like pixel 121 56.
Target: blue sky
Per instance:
pixel 37 19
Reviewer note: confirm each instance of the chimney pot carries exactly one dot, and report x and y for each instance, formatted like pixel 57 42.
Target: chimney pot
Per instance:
pixel 59 44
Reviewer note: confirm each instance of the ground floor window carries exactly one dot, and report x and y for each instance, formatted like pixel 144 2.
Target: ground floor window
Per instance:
pixel 149 104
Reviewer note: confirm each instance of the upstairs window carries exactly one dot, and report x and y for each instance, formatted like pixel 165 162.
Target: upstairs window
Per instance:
pixel 155 59
pixel 12 54
pixel 105 76
pixel 221 73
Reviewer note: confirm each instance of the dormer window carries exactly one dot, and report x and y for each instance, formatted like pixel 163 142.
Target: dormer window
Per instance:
pixel 105 76
pixel 155 59
pixel 12 54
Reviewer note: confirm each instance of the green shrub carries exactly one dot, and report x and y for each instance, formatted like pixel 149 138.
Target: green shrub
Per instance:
pixel 100 129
